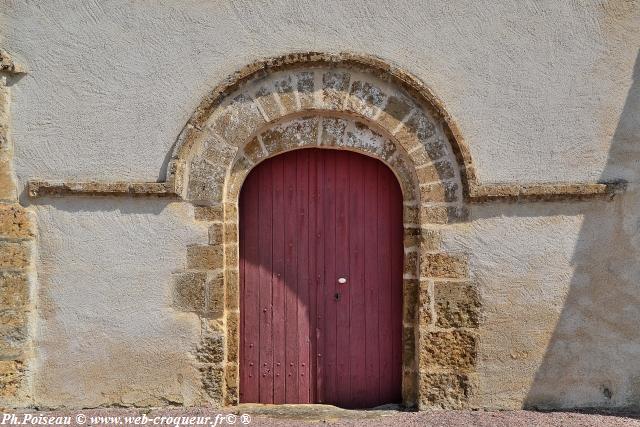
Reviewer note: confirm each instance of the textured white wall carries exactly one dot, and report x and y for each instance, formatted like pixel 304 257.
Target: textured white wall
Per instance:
pixel 541 90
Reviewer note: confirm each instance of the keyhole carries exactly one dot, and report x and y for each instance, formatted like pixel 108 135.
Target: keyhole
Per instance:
pixel 337 296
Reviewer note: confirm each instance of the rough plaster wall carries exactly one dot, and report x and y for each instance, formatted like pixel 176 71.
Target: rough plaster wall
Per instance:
pixel 112 83
pixel 542 91
pixel 107 334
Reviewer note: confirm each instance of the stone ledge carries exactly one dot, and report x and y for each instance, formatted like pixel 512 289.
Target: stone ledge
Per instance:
pixel 8 64
pixel 94 188
pixel 544 191
pixel 477 193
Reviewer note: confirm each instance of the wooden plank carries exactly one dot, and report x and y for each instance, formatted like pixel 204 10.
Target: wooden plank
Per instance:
pixel 250 308
pixel 355 283
pixel 279 343
pixel 302 232
pixel 330 317
pixel 265 267
pixel 385 274
pixel 342 270
pixel 372 283
pixel 397 250
pixel 313 276
pixel 291 279
pixel 320 356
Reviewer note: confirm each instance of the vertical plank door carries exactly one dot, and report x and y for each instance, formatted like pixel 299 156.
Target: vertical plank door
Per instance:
pixel 321 281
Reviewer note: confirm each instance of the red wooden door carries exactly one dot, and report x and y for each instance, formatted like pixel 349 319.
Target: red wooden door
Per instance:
pixel 321 281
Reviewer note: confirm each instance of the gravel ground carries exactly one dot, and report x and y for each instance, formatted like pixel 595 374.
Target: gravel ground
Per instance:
pixel 309 415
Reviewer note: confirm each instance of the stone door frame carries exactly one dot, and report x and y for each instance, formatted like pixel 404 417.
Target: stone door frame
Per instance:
pixel 337 102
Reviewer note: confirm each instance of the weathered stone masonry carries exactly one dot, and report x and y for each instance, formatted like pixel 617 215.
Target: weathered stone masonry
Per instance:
pixel 340 102
pixel 17 273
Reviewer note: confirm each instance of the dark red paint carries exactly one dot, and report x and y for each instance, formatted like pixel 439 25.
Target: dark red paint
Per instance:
pixel 308 218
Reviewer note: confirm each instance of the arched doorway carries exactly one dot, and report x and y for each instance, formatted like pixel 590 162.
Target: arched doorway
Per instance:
pixel 321 264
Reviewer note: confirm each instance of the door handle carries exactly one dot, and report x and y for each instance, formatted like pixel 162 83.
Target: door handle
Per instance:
pixel 342 280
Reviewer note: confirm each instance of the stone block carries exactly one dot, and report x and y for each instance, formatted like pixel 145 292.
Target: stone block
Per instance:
pixel 410 297
pixel 394 111
pixel 443 214
pixel 206 181
pixel 238 121
pixel 457 305
pixel 215 234
pixel 427 240
pixel 268 103
pixel 14 290
pixel 439 192
pixel 254 152
pixel 232 384
pixel 298 133
pixel 211 348
pixel 424 304
pixel 12 374
pixel 231 232
pixel 14 332
pixel 285 89
pixel 411 263
pixel 232 286
pixel 333 130
pixel 409 347
pixel 438 171
pixel 208 213
pixel 14 222
pixel 212 377
pixel 456 350
pixel 231 256
pixel 215 296
pixel 365 98
pixel 239 172
pixel 334 88
pixel 14 255
pixel 445 390
pixel 410 388
pixel 189 291
pixel 233 337
pixel 452 266
pixel 204 257
pixel 216 150
pixel 306 87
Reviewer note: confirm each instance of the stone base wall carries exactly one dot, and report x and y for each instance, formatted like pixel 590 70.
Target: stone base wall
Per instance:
pixel 17 246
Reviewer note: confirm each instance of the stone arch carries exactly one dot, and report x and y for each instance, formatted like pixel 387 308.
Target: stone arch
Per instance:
pixel 333 102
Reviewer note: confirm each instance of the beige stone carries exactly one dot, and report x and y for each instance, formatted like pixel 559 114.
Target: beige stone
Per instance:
pixel 457 304
pixel 204 257
pixel 11 377
pixel 424 304
pixel 208 213
pixel 448 350
pixel 440 192
pixel 14 255
pixel 237 121
pixel 306 87
pixel 14 222
pixel 443 265
pixel 215 234
pixel 410 297
pixel 189 291
pixel 213 382
pixel 444 390
pixel 14 290
pixel 233 335
pixel 215 300
pixel 286 93
pixel 365 98
pixel 335 84
pixel 211 348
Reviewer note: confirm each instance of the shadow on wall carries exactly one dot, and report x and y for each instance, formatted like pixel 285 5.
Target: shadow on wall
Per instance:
pixel 592 360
